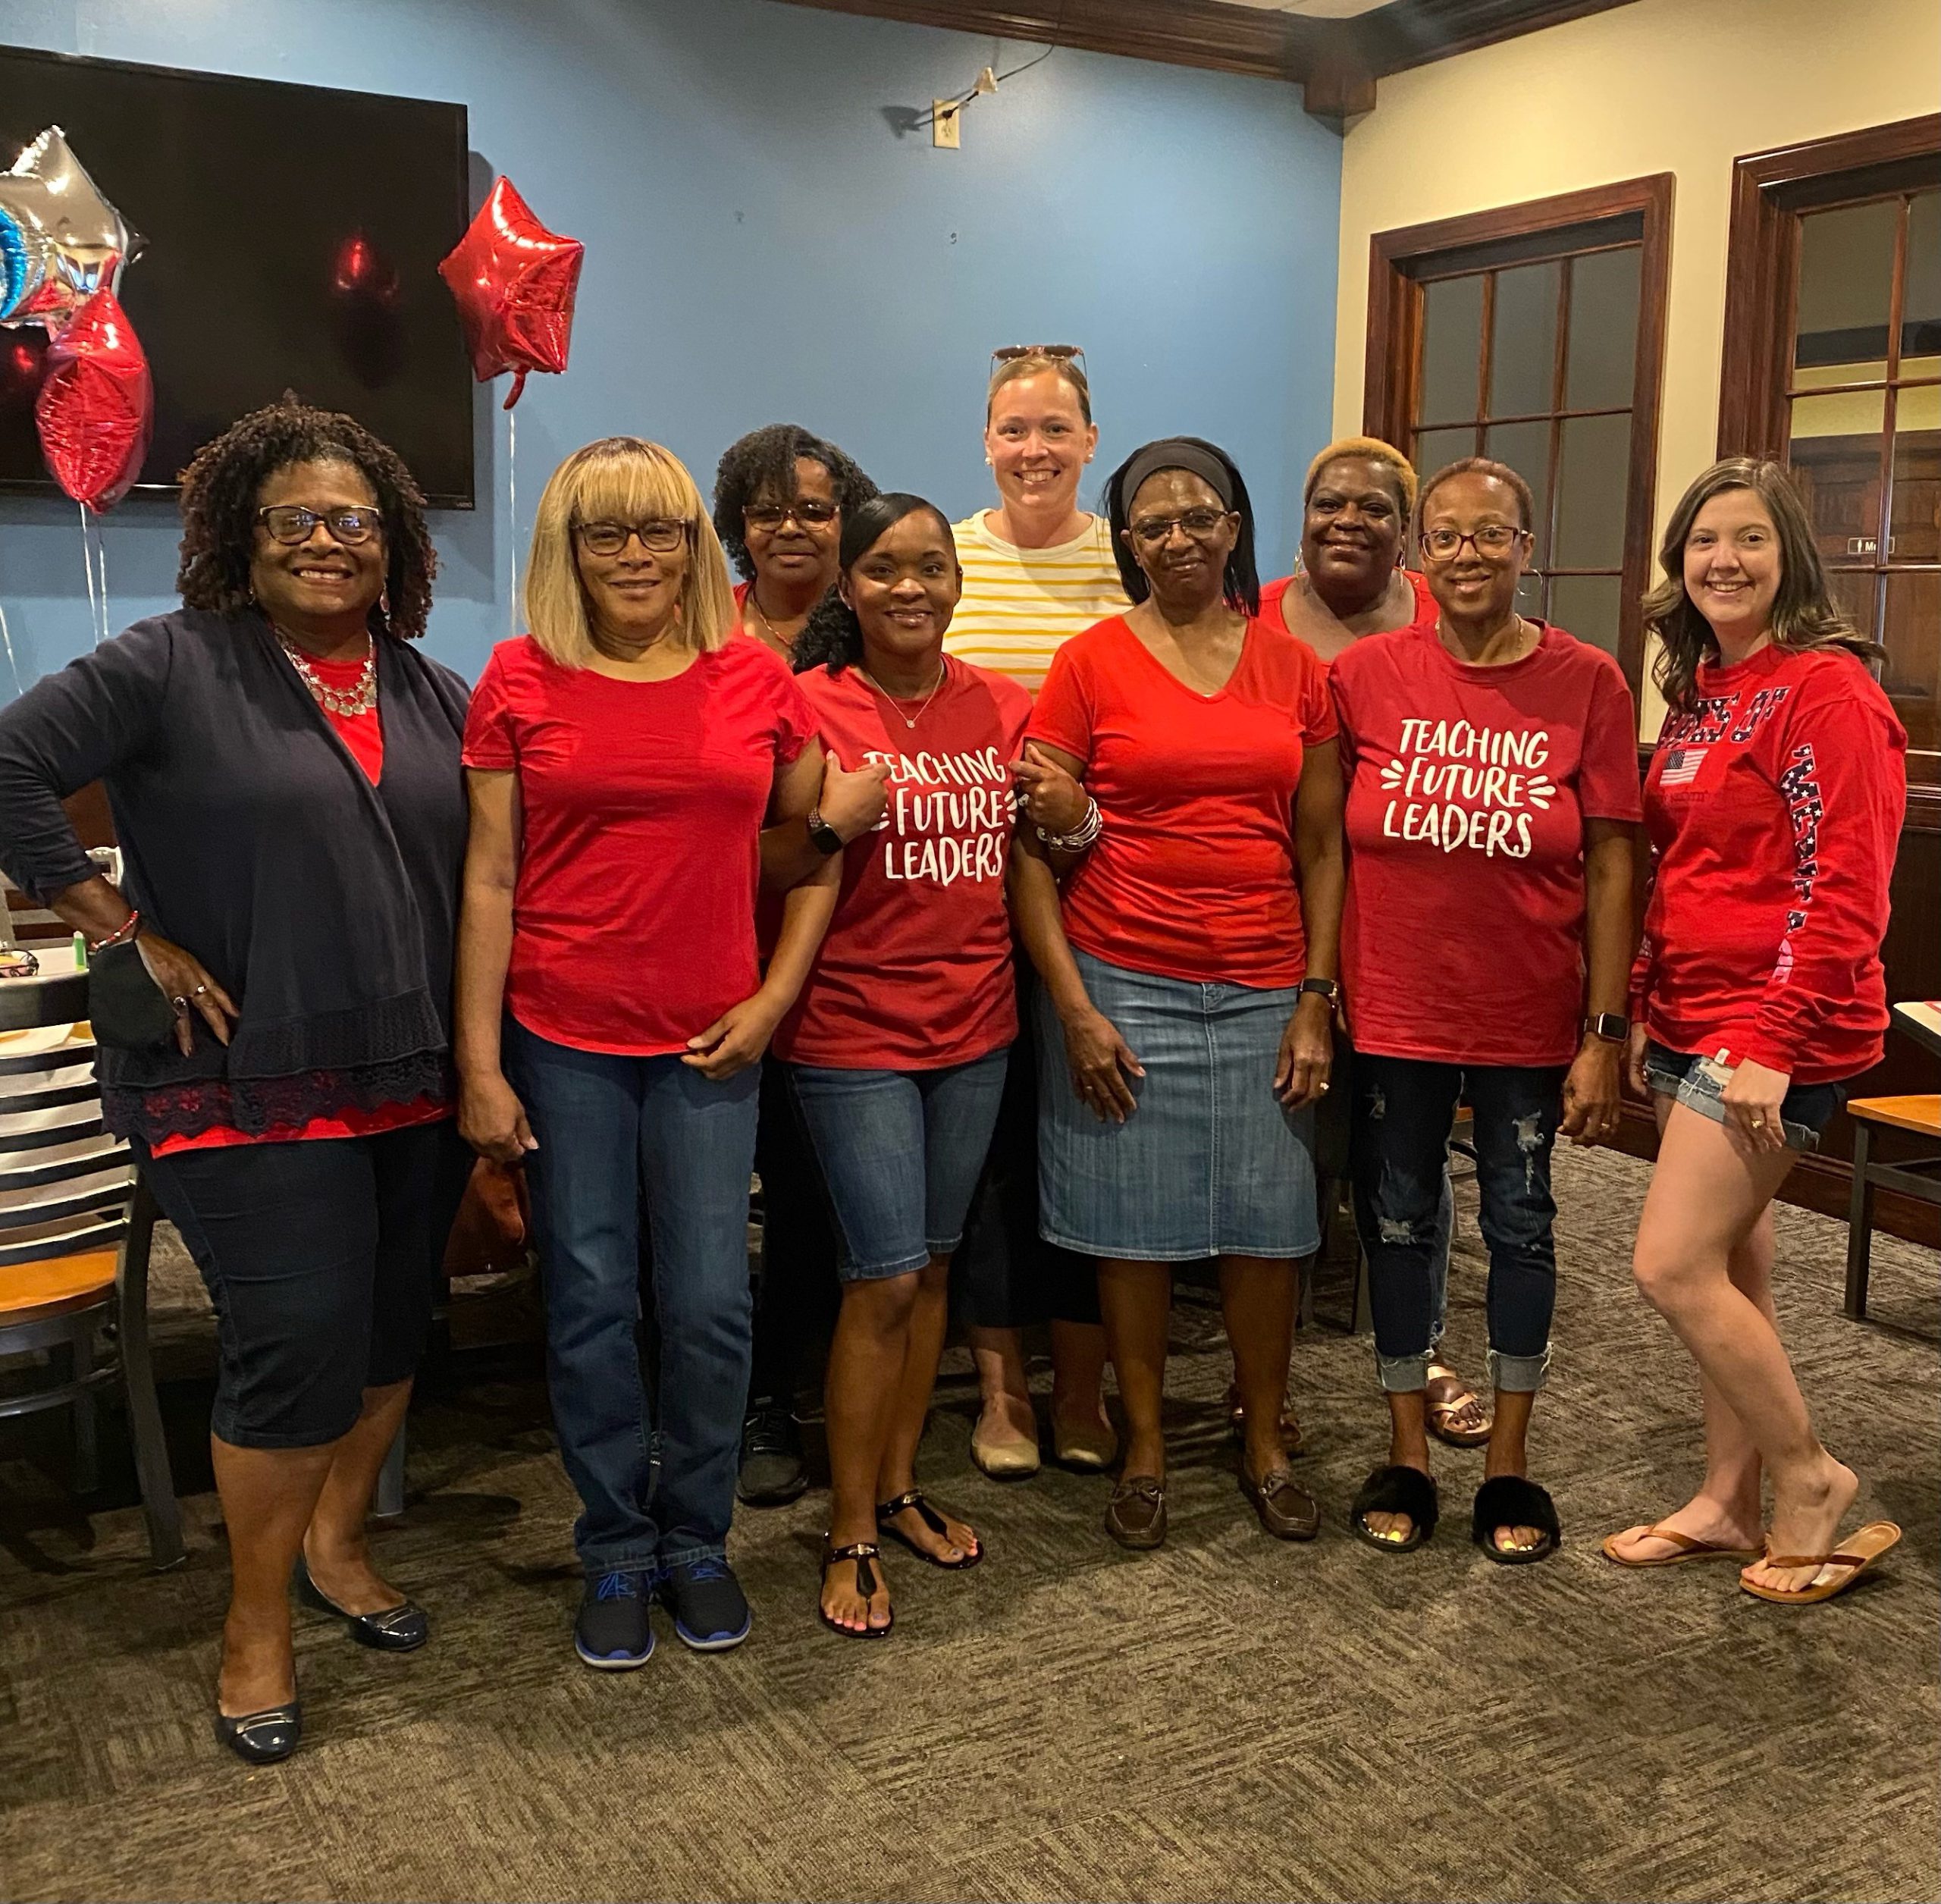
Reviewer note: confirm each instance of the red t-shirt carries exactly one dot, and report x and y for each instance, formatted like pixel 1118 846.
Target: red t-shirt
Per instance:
pixel 1462 941
pixel 916 973
pixel 1775 807
pixel 1272 594
pixel 634 915
pixel 1193 876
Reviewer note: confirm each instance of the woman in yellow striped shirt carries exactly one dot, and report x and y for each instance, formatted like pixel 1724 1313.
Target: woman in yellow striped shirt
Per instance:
pixel 1037 569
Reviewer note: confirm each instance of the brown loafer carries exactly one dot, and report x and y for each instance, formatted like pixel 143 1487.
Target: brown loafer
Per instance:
pixel 1287 1510
pixel 1135 1515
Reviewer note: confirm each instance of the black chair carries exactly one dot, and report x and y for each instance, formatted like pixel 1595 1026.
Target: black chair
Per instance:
pixel 76 1223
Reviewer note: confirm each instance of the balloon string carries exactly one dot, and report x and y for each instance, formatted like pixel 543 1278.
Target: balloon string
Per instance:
pixel 511 512
pixel 101 563
pixel 7 637
pixel 87 563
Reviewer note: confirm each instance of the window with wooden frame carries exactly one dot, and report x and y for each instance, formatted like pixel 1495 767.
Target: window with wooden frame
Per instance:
pixel 1534 334
pixel 1833 364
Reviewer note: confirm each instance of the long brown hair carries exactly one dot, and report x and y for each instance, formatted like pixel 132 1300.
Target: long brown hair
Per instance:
pixel 1804 615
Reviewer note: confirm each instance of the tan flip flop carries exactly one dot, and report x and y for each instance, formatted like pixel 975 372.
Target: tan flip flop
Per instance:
pixel 1688 1549
pixel 1857 1554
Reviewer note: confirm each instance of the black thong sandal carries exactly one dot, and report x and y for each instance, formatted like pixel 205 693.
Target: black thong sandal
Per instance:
pixel 1396 1491
pixel 862 1553
pixel 1510 1501
pixel 888 1511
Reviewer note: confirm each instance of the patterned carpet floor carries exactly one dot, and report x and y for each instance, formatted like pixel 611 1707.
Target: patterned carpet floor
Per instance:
pixel 1228 1718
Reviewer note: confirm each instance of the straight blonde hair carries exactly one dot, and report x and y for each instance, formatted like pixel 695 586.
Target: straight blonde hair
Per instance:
pixel 622 479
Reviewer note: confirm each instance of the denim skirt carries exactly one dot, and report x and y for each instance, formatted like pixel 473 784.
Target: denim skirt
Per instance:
pixel 1209 1164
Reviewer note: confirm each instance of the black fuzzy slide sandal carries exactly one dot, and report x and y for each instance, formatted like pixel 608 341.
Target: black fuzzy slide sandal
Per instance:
pixel 1396 1491
pixel 1510 1501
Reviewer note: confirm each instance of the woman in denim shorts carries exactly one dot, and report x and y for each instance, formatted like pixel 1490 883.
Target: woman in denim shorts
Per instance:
pixel 1774 802
pixel 897 1047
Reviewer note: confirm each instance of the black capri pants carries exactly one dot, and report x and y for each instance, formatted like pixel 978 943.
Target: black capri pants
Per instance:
pixel 322 1260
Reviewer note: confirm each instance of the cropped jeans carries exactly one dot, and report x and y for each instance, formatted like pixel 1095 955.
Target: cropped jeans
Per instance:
pixel 618 1135
pixel 1403 1109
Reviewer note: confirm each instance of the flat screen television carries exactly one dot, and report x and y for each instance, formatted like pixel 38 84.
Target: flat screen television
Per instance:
pixel 293 235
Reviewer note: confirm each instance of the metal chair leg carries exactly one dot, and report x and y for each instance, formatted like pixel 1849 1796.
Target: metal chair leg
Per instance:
pixel 1860 1224
pixel 86 1411
pixel 159 1505
pixel 389 1500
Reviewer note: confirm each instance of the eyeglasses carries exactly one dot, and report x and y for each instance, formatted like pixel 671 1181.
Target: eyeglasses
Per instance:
pixel 658 536
pixel 808 511
pixel 1493 538
pixel 1063 353
pixel 1197 523
pixel 16 962
pixel 291 523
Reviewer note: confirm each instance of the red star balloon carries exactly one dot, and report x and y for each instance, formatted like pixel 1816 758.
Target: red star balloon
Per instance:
pixel 514 281
pixel 96 410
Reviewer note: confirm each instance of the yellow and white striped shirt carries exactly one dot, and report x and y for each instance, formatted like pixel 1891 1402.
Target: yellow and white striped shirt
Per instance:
pixel 1020 605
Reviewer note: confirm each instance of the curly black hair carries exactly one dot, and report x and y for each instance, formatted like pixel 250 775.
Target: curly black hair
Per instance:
pixel 763 461
pixel 221 483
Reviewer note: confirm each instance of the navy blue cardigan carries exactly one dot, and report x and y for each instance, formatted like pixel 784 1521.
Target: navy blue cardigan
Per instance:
pixel 326 907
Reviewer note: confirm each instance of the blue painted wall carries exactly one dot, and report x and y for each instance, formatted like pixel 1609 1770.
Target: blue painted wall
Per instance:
pixel 762 245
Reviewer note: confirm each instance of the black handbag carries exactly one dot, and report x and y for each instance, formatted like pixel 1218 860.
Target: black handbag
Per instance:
pixel 126 1007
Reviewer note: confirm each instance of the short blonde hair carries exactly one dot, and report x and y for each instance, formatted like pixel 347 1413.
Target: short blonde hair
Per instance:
pixel 1373 450
pixel 621 479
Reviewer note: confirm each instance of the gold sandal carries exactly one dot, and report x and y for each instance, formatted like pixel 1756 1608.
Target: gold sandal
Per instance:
pixel 1448 1396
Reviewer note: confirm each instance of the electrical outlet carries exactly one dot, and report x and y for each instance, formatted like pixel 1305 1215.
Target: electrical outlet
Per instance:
pixel 944 130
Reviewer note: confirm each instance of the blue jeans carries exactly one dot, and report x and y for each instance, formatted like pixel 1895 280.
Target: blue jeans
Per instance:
pixel 901 1152
pixel 1403 1109
pixel 1699 1084
pixel 616 1134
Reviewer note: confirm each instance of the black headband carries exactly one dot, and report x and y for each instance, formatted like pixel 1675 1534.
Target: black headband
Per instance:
pixel 1176 452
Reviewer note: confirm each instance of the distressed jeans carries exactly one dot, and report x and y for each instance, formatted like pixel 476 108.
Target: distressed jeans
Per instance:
pixel 1403 1108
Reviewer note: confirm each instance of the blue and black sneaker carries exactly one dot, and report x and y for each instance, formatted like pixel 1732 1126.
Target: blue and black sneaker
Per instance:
pixel 710 1611
pixel 613 1633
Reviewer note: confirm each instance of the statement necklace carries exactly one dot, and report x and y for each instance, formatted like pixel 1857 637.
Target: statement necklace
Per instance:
pixel 359 699
pixel 908 720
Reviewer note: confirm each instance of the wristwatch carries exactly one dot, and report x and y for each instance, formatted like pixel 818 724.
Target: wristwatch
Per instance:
pixel 821 835
pixel 1327 988
pixel 1608 1025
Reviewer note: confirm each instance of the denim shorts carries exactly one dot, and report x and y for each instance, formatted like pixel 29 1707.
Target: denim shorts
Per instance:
pixel 1699 1084
pixel 1209 1164
pixel 901 1152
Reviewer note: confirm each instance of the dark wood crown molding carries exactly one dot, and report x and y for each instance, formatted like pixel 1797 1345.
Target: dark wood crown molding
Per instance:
pixel 1337 62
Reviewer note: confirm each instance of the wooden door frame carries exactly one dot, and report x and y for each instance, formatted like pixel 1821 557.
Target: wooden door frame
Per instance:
pixel 1400 259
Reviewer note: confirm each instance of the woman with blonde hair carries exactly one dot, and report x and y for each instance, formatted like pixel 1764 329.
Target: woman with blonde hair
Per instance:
pixel 1774 803
pixel 1037 570
pixel 623 759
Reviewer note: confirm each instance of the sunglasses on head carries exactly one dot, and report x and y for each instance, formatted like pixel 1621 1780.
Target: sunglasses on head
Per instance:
pixel 1064 353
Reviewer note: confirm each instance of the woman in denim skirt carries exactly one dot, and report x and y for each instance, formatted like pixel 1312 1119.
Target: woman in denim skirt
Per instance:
pixel 1187 959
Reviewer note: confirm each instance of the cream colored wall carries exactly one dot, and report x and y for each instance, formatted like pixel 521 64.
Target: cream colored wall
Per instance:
pixel 1684 86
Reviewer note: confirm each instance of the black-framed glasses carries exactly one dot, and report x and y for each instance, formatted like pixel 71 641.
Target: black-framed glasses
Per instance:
pixel 1197 523
pixel 659 535
pixel 291 523
pixel 1063 353
pixel 811 511
pixel 1493 538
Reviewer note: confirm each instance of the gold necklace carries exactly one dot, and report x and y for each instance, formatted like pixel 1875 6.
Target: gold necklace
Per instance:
pixel 909 720
pixel 1442 637
pixel 359 699
pixel 768 627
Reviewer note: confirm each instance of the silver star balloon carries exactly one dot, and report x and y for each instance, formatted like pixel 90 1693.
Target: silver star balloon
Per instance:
pixel 61 241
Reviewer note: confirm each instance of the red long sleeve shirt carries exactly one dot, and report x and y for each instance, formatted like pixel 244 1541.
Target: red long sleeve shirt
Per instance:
pixel 1775 807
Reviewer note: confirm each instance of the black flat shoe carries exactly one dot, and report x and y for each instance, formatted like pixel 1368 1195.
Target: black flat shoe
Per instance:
pixel 261 1738
pixel 1512 1500
pixel 397 1629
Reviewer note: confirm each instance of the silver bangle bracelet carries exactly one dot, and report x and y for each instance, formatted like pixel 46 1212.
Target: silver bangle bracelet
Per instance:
pixel 1081 836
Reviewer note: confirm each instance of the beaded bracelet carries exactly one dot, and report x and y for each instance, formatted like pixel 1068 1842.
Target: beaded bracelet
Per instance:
pixel 125 930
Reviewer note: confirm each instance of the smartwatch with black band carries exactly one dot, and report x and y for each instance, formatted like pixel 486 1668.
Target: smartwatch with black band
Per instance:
pixel 1327 988
pixel 821 835
pixel 1608 1025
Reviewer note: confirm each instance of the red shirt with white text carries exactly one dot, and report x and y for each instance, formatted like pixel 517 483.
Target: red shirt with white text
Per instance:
pixel 1462 940
pixel 915 973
